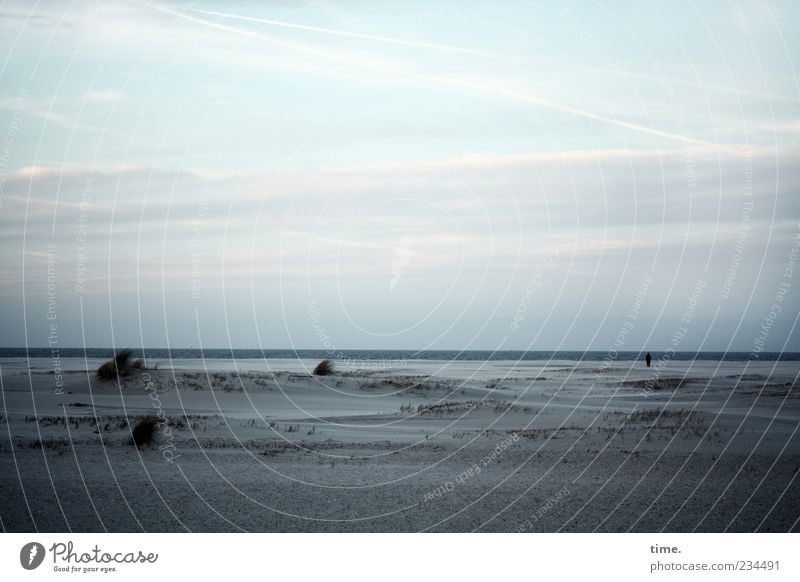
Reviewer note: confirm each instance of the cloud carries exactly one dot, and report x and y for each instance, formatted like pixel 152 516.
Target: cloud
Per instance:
pixel 700 84
pixel 336 242
pixel 477 193
pixel 46 113
pixel 102 96
pixel 37 17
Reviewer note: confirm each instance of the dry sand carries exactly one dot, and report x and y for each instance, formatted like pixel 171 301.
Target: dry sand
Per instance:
pixel 427 446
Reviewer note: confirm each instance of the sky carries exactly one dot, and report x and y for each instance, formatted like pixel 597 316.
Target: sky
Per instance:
pixel 398 175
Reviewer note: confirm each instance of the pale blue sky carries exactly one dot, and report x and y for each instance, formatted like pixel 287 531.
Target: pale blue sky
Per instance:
pixel 396 175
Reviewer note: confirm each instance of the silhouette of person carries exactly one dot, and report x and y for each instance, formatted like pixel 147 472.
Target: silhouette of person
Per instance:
pixel 647 359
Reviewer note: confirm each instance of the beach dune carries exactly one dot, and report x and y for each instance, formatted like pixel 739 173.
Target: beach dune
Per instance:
pixel 415 446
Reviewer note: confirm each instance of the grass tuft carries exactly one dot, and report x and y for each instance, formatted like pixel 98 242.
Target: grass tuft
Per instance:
pixel 324 368
pixel 121 365
pixel 144 433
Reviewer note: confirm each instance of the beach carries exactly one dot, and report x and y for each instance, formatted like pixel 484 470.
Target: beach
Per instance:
pixel 402 446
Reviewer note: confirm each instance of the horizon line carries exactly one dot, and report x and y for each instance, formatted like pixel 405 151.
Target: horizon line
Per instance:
pixel 585 350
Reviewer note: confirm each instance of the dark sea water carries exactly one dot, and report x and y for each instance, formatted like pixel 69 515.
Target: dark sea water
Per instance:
pixel 361 355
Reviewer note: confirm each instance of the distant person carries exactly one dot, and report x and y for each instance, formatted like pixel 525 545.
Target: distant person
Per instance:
pixel 648 358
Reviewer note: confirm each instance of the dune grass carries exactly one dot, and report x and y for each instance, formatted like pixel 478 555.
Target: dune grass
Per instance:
pixel 324 368
pixel 121 365
pixel 144 433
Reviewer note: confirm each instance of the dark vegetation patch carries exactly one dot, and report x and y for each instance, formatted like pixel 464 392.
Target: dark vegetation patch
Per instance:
pixel 122 365
pixel 657 383
pixel 461 407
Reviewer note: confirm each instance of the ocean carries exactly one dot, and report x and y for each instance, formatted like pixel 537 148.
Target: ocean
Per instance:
pixel 390 355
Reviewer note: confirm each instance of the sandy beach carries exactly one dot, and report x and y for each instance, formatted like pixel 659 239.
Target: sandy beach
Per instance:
pixel 458 446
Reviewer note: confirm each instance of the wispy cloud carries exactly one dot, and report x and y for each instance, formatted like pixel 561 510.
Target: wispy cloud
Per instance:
pixel 300 47
pixel 47 114
pixel 336 242
pixel 698 84
pixel 102 95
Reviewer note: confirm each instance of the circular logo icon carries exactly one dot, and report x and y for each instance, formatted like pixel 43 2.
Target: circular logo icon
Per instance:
pixel 31 555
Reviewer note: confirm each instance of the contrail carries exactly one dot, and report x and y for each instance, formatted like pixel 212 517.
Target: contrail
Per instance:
pixel 571 110
pixel 447 48
pixel 344 33
pixel 703 86
pixel 546 103
pixel 182 14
